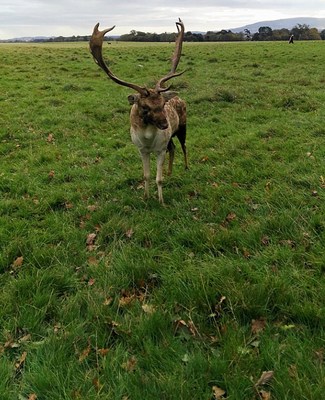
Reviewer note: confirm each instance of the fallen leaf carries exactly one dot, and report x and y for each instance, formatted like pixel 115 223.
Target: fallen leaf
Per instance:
pixel 265 240
pixel 246 253
pixel 91 241
pixel 91 282
pixel 97 384
pixel 230 217
pixel 18 262
pixel 148 309
pixel 68 205
pixel 130 365
pixel 50 138
pixel 108 301
pixel 265 378
pixel 187 328
pixel 102 352
pixel 51 174
pixel 91 238
pixel 129 233
pixel 25 338
pixel 258 325
pixel 85 353
pixel 264 395
pixel 21 361
pixel 218 393
pixel 92 261
pixel 32 396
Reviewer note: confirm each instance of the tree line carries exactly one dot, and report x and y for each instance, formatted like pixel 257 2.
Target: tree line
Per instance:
pixel 300 32
pixel 264 33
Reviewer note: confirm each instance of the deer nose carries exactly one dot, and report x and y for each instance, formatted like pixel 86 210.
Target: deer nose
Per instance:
pixel 162 125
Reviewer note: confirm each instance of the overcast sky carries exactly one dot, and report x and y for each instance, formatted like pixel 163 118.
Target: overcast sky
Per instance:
pixel 20 18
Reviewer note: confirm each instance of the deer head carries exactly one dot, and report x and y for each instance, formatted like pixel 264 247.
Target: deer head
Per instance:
pixel 149 101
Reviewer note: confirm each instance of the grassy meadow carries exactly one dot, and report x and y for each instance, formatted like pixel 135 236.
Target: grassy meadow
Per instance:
pixel 219 294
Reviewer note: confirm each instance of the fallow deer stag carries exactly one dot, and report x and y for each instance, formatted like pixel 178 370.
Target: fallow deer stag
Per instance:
pixel 157 115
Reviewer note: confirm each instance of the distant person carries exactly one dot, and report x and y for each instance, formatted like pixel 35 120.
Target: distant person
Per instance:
pixel 291 39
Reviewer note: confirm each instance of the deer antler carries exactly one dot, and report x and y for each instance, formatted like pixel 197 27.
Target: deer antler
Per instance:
pixel 175 58
pixel 95 46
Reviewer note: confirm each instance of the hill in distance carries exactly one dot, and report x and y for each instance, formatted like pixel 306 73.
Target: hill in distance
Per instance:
pixel 287 23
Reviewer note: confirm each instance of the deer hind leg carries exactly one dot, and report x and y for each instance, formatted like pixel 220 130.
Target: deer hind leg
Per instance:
pixel 181 136
pixel 171 151
pixel 159 176
pixel 146 172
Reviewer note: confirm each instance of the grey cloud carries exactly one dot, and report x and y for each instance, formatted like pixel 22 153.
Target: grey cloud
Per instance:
pixel 67 17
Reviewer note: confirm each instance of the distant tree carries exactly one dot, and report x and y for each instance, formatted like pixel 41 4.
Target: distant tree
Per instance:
pixel 304 32
pixel 281 34
pixel 322 34
pixel 193 37
pixel 247 34
pixel 265 33
pixel 223 36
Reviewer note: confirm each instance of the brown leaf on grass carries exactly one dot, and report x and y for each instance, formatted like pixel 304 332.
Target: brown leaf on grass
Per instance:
pixel 218 393
pixel 103 352
pixel 85 353
pixel 185 327
pixel 92 207
pixel 246 254
pixel 129 233
pixel 18 262
pixel 10 344
pixel 126 299
pixel 32 396
pixel 265 240
pixel 230 217
pixel 265 378
pixel 19 364
pixel 68 205
pixel 90 241
pixel 130 364
pixel 148 309
pixel 91 282
pixel 108 301
pixel 92 261
pixel 263 395
pixel 51 174
pixel 258 326
pixel 50 138
pixel 97 384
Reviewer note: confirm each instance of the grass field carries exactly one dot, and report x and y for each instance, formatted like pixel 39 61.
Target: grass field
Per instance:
pixel 107 296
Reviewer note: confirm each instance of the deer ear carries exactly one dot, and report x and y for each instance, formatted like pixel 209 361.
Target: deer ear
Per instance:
pixel 133 98
pixel 169 95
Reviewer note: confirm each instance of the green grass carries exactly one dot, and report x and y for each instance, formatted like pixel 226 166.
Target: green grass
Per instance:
pixel 138 311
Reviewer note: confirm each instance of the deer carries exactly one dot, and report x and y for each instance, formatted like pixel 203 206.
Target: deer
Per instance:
pixel 157 114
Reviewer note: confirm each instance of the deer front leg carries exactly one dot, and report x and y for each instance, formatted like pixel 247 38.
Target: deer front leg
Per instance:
pixel 146 172
pixel 159 176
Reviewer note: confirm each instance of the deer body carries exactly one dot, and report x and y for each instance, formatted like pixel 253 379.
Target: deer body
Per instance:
pixel 156 116
pixel 150 138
